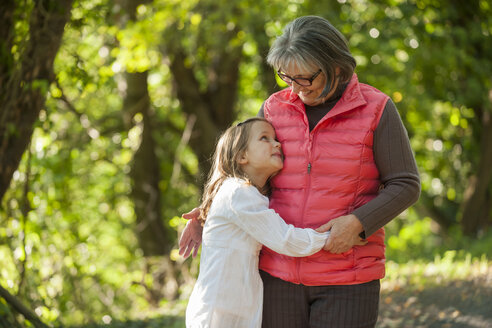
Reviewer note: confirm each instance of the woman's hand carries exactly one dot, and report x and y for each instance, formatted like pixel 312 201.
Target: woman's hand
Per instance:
pixel 344 234
pixel 191 238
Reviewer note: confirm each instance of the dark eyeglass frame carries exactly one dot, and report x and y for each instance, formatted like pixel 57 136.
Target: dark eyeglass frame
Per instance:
pixel 304 82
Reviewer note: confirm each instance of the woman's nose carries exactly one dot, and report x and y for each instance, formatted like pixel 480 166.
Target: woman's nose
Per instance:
pixel 296 88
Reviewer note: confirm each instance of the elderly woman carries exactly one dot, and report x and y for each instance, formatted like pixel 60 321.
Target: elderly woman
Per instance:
pixel 348 158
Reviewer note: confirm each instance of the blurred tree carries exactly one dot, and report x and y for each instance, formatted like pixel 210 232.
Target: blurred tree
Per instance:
pixel 28 46
pixel 30 37
pixel 206 47
pixel 449 70
pixel 204 57
pixel 145 172
pixel 433 59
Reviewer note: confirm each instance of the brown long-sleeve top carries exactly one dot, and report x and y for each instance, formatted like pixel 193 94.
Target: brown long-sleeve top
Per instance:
pixel 394 159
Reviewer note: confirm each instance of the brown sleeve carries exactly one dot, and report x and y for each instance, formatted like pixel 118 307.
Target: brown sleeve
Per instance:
pixel 397 171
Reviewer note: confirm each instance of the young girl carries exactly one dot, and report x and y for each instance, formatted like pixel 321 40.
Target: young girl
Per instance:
pixel 229 290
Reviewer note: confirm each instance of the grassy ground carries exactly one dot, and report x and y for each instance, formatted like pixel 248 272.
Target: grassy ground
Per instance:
pixel 445 293
pixel 454 304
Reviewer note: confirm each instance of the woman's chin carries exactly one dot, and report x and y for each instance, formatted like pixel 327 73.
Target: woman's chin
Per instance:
pixel 308 100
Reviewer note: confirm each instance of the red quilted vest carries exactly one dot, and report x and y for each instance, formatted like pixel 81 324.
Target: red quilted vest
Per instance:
pixel 327 172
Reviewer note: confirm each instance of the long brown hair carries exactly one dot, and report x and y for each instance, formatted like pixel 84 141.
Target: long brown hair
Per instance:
pixel 231 146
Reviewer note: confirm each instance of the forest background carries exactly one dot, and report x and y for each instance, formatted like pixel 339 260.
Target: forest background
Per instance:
pixel 109 111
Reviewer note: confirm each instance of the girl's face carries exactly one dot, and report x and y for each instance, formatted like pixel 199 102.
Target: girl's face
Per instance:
pixel 263 156
pixel 309 94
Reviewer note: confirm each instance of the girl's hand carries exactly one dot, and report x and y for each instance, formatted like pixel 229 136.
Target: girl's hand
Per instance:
pixel 191 238
pixel 344 234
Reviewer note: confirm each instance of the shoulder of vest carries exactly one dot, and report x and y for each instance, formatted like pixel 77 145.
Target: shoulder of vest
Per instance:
pixel 279 98
pixel 368 90
pixel 282 94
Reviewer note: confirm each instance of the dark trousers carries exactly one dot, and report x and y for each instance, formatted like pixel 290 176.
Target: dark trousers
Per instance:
pixel 287 305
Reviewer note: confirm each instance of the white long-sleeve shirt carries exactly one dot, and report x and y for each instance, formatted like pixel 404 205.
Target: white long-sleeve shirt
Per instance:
pixel 229 290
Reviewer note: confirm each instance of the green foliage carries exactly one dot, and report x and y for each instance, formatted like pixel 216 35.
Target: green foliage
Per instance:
pixel 410 238
pixel 68 245
pixel 6 315
pixel 158 322
pixel 449 266
pixel 412 241
pixel 77 248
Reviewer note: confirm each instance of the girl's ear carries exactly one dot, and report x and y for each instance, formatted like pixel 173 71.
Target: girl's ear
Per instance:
pixel 242 159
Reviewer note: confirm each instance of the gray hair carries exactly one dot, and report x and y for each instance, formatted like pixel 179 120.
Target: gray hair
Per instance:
pixel 312 42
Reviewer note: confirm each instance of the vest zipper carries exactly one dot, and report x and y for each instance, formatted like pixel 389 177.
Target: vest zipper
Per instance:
pixel 306 194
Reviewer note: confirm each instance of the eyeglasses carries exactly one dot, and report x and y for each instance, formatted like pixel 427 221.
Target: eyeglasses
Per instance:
pixel 302 81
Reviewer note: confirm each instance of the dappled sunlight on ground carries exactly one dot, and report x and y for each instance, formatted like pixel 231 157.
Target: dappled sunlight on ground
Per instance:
pixel 425 295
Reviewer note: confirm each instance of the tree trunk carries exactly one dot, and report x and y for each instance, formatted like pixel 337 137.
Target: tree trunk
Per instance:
pixel 7 8
pixel 214 108
pixel 21 308
pixel 476 212
pixel 477 205
pixel 193 102
pixel 23 86
pixel 145 171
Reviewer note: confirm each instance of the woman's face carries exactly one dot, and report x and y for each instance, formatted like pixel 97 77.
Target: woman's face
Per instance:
pixel 309 94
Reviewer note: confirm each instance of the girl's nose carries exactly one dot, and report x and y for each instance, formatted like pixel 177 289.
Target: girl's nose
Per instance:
pixel 276 144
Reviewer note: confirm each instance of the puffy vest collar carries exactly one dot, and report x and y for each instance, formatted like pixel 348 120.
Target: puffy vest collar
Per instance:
pixel 352 98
